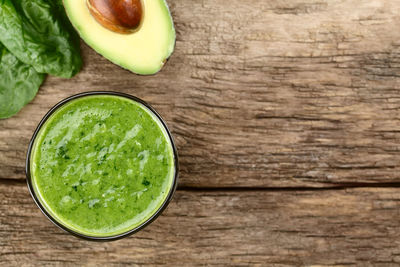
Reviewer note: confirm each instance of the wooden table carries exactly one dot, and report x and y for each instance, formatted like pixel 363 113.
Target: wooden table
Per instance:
pixel 286 114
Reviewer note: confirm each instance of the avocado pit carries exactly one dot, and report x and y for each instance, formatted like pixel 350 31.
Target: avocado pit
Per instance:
pixel 121 16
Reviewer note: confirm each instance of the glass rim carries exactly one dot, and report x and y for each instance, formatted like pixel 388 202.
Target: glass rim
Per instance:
pixel 59 224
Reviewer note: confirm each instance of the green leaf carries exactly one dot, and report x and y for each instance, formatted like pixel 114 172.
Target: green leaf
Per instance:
pixel 39 33
pixel 19 83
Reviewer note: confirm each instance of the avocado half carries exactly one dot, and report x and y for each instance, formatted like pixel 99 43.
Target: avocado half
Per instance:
pixel 144 51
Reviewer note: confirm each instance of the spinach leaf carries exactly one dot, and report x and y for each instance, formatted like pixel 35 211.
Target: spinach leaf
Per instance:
pixel 39 33
pixel 19 83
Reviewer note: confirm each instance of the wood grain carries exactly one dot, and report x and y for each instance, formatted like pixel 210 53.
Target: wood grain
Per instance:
pixel 301 228
pixel 261 93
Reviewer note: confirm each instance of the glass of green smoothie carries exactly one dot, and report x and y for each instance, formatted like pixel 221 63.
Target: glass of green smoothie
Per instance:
pixel 102 165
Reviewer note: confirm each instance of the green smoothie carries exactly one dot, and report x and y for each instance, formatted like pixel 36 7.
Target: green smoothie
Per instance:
pixel 102 165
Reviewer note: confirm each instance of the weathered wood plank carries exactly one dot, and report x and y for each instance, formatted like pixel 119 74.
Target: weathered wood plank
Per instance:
pixel 323 227
pixel 261 93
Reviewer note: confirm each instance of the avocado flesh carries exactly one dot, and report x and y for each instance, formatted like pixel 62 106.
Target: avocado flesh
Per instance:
pixel 143 51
